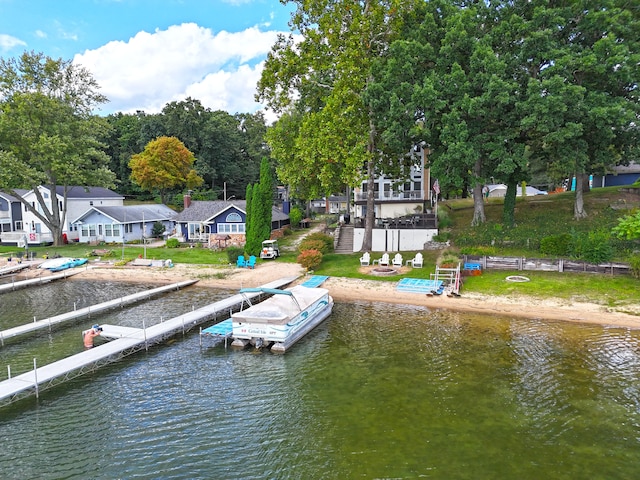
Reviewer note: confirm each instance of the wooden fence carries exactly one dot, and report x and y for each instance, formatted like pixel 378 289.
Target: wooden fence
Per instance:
pixel 546 265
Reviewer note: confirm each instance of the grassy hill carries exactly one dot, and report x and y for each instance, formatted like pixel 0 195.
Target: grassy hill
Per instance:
pixel 536 218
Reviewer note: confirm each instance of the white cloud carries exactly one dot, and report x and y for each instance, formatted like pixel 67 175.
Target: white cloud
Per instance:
pixel 151 69
pixel 7 42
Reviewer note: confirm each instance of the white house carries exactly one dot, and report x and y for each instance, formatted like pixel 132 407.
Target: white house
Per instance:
pixel 79 200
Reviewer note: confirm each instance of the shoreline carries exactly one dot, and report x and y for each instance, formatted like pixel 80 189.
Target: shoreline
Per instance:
pixel 353 290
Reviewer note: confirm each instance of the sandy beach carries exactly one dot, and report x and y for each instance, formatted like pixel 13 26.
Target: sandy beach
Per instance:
pixel 355 290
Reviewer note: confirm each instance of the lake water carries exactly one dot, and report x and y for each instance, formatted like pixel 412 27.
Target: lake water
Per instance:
pixel 377 391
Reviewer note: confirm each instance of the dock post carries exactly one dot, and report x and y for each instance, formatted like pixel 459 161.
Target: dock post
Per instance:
pixel 1 339
pixel 9 372
pixel 34 319
pixel 35 377
pixel 144 329
pixel 200 337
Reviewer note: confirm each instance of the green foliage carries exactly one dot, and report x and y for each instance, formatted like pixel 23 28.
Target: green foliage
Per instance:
pixel 628 227
pixel 157 230
pixel 172 243
pixel 592 247
pixel 295 216
pixel 259 210
pixel 233 253
pixel 320 241
pixel 47 133
pixel 634 263
pixel 310 259
pixel 559 245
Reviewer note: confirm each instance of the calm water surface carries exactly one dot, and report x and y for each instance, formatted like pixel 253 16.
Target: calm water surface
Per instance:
pixel 377 391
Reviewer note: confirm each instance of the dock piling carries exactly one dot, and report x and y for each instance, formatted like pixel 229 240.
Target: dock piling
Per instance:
pixel 35 378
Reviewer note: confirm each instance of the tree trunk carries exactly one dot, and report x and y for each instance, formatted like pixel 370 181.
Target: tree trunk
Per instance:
pixel 509 207
pixel 478 200
pixel 478 206
pixel 578 207
pixel 370 217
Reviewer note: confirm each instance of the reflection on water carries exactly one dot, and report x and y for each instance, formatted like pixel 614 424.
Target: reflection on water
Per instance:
pixel 377 391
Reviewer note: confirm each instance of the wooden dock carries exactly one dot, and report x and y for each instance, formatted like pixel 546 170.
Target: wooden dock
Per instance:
pixel 88 311
pixel 130 341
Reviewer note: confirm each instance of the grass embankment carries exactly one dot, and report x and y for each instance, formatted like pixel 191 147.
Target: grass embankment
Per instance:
pixel 536 217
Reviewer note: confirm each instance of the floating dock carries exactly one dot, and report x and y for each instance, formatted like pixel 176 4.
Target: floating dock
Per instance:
pixel 87 311
pixel 127 341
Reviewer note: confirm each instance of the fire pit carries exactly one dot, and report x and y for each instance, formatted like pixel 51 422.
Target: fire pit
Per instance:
pixel 382 271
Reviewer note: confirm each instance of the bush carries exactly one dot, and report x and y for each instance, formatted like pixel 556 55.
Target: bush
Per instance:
pixel 559 245
pixel 295 216
pixel 310 259
pixel 327 240
pixel 311 244
pixel 233 253
pixel 173 243
pixel 634 263
pixel 157 230
pixel 592 247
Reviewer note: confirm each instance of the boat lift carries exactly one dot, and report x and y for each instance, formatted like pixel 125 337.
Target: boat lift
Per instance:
pixel 451 280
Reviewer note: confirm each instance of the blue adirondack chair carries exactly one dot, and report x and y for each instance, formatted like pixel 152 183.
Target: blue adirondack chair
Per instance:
pixel 241 262
pixel 251 263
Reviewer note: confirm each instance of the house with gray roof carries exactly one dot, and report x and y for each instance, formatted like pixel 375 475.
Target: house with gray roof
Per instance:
pixel 201 221
pixel 118 224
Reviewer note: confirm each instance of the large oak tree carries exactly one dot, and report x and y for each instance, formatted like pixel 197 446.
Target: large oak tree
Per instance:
pixel 48 133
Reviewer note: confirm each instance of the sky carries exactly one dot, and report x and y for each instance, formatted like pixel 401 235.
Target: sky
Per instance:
pixel 147 53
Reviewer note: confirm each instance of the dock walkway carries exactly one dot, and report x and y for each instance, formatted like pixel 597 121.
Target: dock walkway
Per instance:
pixel 131 341
pixel 88 311
pixel 39 280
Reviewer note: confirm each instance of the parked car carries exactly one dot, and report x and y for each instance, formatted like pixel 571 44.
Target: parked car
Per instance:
pixel 270 249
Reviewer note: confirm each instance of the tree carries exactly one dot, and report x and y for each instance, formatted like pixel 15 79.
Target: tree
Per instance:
pixel 323 77
pixel 164 164
pixel 582 91
pixel 259 210
pixel 48 134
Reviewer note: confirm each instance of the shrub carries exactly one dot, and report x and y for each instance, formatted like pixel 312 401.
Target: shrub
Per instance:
pixel 233 253
pixel 310 259
pixel 324 238
pixel 295 215
pixel 592 247
pixel 157 230
pixel 311 244
pixel 634 263
pixel 173 243
pixel 556 244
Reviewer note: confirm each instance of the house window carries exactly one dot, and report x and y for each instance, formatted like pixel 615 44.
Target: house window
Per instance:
pixel 128 228
pixel 194 229
pixel 85 230
pixel 107 231
pixel 233 217
pixel 231 228
pixel 91 203
pixel 18 225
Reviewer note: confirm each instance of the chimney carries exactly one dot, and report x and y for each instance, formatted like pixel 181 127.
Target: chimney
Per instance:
pixel 187 200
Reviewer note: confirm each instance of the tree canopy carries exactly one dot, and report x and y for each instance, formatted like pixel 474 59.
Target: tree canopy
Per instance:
pixel 48 134
pixel 164 164
pixel 318 79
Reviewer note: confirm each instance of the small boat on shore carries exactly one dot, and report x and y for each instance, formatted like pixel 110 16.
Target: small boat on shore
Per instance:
pixel 282 319
pixel 62 263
